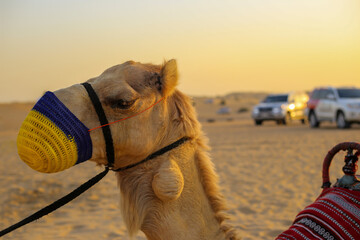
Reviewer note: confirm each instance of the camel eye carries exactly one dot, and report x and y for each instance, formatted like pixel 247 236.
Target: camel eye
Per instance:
pixel 122 104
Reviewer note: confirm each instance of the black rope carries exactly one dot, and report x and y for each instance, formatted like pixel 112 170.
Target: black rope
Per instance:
pixel 103 120
pixel 155 154
pixel 58 203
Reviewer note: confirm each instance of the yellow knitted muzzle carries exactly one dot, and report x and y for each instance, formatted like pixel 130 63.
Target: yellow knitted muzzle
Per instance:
pixel 44 146
pixel 52 138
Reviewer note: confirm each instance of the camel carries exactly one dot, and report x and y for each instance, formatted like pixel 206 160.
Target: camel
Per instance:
pixel 176 195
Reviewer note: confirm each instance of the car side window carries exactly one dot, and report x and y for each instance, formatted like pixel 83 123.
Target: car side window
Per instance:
pixel 329 95
pixel 316 94
pixel 322 94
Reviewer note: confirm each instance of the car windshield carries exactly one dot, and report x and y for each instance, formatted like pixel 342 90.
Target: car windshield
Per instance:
pixel 276 98
pixel 349 92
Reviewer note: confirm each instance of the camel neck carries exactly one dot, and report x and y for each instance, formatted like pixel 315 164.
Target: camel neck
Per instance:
pixel 188 217
pixel 175 197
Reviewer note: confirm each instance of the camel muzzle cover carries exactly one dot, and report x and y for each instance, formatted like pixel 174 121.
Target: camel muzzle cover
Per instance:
pixel 52 138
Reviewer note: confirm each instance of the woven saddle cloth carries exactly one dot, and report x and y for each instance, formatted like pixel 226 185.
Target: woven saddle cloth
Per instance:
pixel 334 215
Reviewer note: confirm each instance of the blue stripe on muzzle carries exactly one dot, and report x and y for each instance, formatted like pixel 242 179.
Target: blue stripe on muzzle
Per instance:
pixel 51 107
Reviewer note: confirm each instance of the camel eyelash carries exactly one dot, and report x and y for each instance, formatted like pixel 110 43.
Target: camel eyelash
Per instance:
pixel 122 104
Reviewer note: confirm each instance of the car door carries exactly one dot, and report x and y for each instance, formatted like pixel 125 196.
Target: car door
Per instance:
pixel 300 105
pixel 326 105
pixel 322 108
pixel 297 106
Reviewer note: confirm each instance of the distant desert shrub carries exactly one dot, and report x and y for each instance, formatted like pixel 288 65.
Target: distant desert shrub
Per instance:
pixel 243 110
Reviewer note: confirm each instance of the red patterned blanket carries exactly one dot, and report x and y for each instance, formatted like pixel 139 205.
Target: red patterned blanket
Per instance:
pixel 334 215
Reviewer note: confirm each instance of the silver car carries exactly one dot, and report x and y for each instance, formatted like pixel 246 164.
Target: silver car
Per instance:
pixel 339 105
pixel 282 108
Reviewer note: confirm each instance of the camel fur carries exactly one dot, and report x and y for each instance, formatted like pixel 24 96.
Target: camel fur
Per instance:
pixel 176 195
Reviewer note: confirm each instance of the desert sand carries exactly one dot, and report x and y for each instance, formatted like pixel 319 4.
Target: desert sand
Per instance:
pixel 267 173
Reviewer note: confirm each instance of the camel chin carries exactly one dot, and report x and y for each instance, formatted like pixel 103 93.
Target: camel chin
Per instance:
pixel 168 182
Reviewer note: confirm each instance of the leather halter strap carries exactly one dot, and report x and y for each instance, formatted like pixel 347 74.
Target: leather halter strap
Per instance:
pixel 103 121
pixel 155 154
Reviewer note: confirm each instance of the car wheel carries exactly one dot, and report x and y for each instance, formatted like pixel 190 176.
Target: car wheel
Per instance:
pixel 258 122
pixel 341 121
pixel 314 123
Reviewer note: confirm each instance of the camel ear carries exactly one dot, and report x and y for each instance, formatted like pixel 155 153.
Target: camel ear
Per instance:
pixel 168 77
pixel 168 183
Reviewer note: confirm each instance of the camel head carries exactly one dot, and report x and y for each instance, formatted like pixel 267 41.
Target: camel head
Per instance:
pixel 124 90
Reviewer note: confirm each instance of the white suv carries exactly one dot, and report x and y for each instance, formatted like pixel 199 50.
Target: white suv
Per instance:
pixel 340 105
pixel 282 108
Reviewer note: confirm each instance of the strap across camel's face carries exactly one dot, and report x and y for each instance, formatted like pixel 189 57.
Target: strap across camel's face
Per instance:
pixel 55 134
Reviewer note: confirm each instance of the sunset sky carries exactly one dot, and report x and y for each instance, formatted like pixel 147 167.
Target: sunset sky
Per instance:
pixel 221 46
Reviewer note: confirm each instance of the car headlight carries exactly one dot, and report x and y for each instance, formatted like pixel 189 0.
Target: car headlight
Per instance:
pixel 353 105
pixel 256 111
pixel 292 106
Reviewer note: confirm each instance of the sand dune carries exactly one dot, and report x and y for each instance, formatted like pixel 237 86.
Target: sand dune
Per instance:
pixel 268 174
